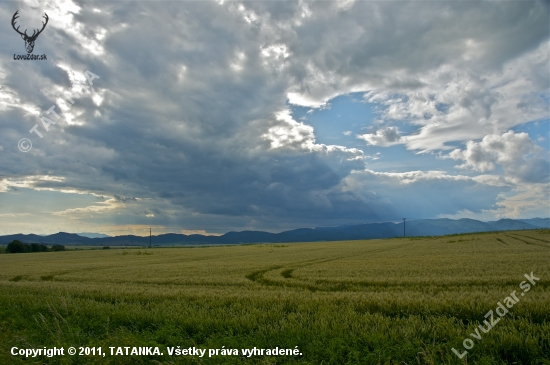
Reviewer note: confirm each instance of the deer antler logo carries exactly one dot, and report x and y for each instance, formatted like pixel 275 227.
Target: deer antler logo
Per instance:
pixel 29 40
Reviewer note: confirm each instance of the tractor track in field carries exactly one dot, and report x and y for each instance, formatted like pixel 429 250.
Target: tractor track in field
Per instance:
pixel 522 239
pixel 532 238
pixel 258 275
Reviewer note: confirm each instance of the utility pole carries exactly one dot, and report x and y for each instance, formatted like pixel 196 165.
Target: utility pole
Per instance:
pixel 404 235
pixel 149 237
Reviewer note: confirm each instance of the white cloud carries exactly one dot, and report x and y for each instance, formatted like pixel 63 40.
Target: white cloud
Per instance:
pixel 518 155
pixel 460 105
pixel 292 135
pixel 525 201
pixel 386 136
pixel 289 133
pixel 77 213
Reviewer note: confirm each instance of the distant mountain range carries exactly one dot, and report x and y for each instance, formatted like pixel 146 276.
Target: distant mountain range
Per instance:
pixel 421 227
pixel 93 235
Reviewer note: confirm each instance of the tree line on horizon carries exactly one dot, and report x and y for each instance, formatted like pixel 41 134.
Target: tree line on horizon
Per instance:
pixel 17 246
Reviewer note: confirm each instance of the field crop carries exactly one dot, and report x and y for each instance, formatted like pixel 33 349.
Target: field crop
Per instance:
pixel 393 301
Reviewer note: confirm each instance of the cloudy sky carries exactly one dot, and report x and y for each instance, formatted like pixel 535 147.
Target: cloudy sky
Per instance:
pixel 211 116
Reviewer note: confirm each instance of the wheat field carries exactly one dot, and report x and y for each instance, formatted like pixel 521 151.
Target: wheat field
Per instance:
pixel 392 301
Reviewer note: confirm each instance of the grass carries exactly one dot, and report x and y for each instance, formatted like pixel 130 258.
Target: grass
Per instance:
pixel 395 301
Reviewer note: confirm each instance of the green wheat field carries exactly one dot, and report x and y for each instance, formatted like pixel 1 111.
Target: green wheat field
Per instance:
pixel 392 301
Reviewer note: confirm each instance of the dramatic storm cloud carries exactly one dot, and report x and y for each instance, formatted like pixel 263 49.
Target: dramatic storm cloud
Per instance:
pixel 215 116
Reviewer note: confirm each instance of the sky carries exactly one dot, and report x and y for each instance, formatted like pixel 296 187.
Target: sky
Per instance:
pixel 216 116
